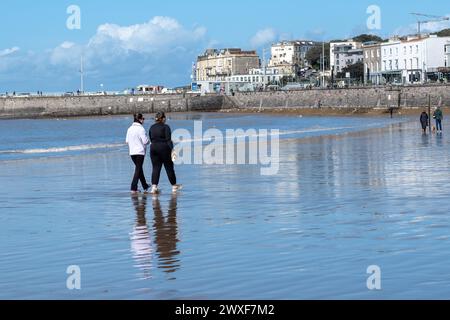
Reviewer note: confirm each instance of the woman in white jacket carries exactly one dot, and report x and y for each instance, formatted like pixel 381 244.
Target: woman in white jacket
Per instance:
pixel 137 141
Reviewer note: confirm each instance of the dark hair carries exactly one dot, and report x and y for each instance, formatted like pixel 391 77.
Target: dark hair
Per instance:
pixel 138 117
pixel 160 116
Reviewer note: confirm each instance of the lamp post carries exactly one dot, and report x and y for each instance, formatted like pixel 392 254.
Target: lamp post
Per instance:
pixel 323 64
pixel 82 74
pixel 264 69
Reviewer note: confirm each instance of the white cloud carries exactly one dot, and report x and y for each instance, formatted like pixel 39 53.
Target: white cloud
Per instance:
pixel 67 53
pixel 263 37
pixel 159 51
pixel 9 51
pixel 67 45
pixel 160 33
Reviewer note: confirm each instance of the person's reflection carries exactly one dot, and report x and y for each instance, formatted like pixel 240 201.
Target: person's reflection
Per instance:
pixel 166 235
pixel 141 243
pixel 425 140
pixel 439 139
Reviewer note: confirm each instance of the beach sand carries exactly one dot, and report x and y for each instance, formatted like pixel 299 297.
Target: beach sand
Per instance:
pixel 342 201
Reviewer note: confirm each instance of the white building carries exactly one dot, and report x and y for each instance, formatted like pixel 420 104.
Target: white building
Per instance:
pixel 334 45
pixel 346 55
pixel 414 59
pixel 372 62
pixel 257 78
pixel 290 56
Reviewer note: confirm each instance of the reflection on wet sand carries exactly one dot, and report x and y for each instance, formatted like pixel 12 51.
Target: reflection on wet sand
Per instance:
pixel 166 235
pixel 141 243
pixel 165 231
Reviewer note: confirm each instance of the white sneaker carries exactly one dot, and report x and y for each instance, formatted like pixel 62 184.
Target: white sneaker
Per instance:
pixel 177 188
pixel 154 190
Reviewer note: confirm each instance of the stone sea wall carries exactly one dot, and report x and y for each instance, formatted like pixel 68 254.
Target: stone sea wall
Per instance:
pixel 346 99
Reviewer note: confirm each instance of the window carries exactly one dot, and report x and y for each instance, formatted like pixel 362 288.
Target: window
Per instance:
pixel 417 48
pixel 390 64
pixel 367 54
pixel 385 51
pixel 390 51
pixel 384 65
pixel 372 53
pixel 405 64
pixel 404 51
pixel 396 64
pixel 410 63
pixel 378 53
pixel 410 49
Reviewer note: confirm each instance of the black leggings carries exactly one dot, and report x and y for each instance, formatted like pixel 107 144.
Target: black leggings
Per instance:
pixel 161 154
pixel 138 173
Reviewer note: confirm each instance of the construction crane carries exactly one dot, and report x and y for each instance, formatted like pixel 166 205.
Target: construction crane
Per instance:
pixel 434 19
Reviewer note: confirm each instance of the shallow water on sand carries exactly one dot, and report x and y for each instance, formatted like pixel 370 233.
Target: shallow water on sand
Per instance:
pixel 343 200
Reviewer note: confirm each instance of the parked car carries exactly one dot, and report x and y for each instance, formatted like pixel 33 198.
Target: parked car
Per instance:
pixel 293 86
pixel 273 87
pixel 22 95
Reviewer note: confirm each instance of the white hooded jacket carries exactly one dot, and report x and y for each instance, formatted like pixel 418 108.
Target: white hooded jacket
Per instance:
pixel 137 140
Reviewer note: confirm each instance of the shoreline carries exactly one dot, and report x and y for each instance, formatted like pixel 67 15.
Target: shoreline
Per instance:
pixel 336 112
pixel 339 135
pixel 319 112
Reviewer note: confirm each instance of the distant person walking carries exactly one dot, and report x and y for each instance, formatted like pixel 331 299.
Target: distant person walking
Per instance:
pixel 161 153
pixel 137 141
pixel 424 120
pixel 439 117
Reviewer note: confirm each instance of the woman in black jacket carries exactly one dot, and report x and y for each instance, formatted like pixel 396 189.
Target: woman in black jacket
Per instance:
pixel 424 120
pixel 161 153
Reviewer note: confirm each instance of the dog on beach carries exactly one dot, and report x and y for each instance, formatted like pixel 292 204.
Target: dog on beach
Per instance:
pixel 433 129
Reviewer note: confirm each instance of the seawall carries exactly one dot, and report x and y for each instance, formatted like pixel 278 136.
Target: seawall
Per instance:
pixel 53 107
pixel 359 99
pixel 354 100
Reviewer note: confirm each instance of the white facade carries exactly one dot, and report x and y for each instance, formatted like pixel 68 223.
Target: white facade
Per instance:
pixel 258 76
pixel 410 60
pixel 346 55
pixel 289 56
pixel 256 79
pixel 333 45
pixel 372 63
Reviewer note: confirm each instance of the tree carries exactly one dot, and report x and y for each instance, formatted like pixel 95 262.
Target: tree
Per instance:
pixel 313 56
pixel 443 33
pixel 356 71
pixel 367 37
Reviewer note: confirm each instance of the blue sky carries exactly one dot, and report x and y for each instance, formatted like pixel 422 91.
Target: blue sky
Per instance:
pixel 133 42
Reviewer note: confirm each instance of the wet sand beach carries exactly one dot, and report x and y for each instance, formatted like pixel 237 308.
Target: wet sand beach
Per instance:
pixel 350 192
